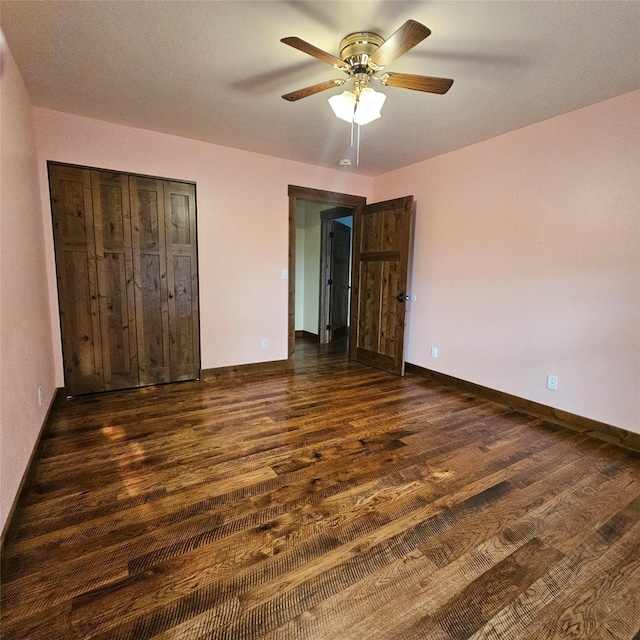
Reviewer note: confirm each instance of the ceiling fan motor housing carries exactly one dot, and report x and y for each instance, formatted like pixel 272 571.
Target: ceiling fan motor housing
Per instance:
pixel 357 48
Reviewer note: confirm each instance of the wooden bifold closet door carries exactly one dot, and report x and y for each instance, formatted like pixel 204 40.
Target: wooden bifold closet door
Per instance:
pixel 126 260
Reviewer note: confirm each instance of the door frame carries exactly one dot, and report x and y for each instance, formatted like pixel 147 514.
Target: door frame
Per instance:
pixel 299 194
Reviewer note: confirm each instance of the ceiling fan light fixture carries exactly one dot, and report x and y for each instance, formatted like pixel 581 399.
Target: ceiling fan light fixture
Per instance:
pixel 344 105
pixel 369 104
pixel 362 109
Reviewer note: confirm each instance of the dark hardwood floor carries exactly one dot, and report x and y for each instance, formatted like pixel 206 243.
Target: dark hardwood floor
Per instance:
pixel 336 502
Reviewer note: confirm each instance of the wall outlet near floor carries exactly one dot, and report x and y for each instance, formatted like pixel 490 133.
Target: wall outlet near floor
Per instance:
pixel 265 343
pixel 552 383
pixel 434 352
pixel 39 395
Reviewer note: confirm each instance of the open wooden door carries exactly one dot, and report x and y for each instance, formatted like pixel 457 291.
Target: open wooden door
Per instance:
pixel 335 273
pixel 339 280
pixel 382 241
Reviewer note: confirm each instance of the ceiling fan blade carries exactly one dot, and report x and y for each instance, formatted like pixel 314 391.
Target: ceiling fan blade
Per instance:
pixel 405 38
pixel 305 47
pixel 417 83
pixel 309 91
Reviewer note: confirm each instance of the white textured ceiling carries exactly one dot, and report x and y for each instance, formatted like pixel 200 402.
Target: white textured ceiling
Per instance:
pixel 215 70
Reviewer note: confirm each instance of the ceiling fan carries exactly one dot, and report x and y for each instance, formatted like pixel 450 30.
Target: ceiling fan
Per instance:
pixel 364 54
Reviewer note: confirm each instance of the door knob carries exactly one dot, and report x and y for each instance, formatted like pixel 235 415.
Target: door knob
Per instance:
pixel 402 298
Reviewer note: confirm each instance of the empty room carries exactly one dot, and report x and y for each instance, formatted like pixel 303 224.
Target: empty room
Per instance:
pixel 319 319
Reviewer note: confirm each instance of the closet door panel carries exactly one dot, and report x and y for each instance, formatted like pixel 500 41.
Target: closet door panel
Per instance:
pixel 73 229
pixel 150 269
pixel 82 352
pixel 112 220
pixel 184 335
pixel 182 276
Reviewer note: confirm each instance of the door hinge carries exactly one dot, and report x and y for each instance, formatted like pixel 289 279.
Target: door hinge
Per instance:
pixel 328 327
pixel 331 234
pixel 330 281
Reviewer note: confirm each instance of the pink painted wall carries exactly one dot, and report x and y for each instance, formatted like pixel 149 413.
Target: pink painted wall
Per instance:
pixel 527 261
pixel 526 256
pixel 26 357
pixel 242 224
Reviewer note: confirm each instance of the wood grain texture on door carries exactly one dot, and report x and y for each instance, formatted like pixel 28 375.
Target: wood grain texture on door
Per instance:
pixel 182 279
pixel 382 241
pixel 339 275
pixel 152 308
pixel 127 270
pixel 114 262
pixel 75 250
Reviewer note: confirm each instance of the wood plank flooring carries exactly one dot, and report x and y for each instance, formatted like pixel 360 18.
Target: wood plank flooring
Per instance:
pixel 336 502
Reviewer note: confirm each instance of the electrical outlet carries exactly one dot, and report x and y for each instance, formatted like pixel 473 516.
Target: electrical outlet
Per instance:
pixel 285 274
pixel 434 352
pixel 40 395
pixel 265 343
pixel 552 383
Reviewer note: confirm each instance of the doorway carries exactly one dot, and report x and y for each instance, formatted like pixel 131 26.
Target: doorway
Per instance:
pixel 323 272
pixel 336 231
pixel 340 204
pixel 380 268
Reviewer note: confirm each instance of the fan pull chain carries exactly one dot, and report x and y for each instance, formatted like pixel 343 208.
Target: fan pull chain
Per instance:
pixel 358 149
